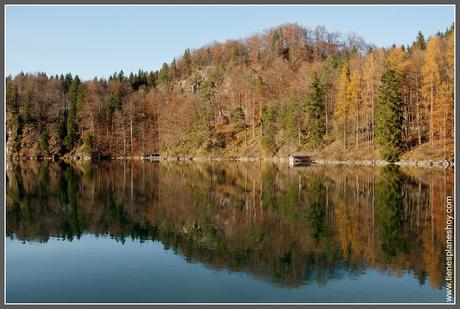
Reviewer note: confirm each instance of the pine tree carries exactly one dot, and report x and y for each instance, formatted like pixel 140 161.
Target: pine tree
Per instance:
pixel 80 96
pixel 389 210
pixel 174 71
pixel 74 97
pixel 151 79
pixel 67 80
pixel 115 96
pixel 71 127
pixel 314 104
pixel 187 62
pixel 121 75
pixel 207 91
pixel 420 41
pixel 389 115
pixel 165 75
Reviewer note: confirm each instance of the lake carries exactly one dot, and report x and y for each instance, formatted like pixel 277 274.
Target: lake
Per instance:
pixel 142 232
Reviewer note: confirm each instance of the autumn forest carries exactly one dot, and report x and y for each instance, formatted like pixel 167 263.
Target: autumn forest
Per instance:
pixel 288 88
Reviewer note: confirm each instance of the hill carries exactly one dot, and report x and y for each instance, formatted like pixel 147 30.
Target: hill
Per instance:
pixel 286 89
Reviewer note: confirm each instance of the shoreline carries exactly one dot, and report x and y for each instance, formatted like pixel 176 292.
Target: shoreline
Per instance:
pixel 442 164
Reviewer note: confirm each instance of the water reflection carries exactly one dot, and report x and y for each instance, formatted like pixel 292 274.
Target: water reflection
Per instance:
pixel 288 226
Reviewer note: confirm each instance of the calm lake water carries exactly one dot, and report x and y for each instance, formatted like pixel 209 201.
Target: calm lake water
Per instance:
pixel 224 232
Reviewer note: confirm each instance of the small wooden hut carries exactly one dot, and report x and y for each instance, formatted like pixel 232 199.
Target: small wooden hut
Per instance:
pixel 298 159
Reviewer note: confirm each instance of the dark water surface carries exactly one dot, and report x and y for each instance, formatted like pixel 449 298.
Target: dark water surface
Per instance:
pixel 224 232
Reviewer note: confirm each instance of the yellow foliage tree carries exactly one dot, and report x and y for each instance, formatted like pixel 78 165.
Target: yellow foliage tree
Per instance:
pixel 372 71
pixel 397 59
pixel 431 81
pixel 355 89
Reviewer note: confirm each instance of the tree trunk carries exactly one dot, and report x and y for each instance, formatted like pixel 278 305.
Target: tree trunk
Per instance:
pixel 253 117
pixel 357 121
pixel 445 132
pixel 124 137
pixel 431 112
pixel 131 129
pixel 245 131
pixel 298 132
pixel 260 115
pixel 245 122
pixel 111 135
pixel 419 125
pixel 107 131
pixel 373 121
pixel 326 105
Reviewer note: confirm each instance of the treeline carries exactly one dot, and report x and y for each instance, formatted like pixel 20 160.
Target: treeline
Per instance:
pixel 288 88
pixel 59 114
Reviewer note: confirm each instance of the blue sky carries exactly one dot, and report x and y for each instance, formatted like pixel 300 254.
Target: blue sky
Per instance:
pixel 99 40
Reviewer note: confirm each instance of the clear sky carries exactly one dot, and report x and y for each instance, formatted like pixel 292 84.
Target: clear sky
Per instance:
pixel 99 40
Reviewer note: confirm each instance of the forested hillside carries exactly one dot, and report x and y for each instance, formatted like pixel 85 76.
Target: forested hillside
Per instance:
pixel 286 89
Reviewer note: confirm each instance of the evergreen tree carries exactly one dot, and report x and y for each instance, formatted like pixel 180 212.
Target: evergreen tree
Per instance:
pixel 164 76
pixel 420 41
pixel 74 90
pixel 187 62
pixel 71 127
pixel 115 97
pixel 151 79
pixel 67 80
pixel 61 126
pixel 270 120
pixel 314 104
pixel 131 80
pixel 121 75
pixel 74 98
pixel 389 114
pixel 80 96
pixel 207 90
pixel 390 210
pixel 174 72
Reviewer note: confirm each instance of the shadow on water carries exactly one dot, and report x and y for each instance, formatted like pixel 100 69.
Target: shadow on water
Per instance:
pixel 288 226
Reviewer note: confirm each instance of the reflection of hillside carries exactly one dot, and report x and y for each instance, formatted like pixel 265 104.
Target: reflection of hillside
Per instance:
pixel 290 226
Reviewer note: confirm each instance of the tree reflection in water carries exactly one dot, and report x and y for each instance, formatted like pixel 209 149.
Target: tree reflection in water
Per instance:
pixel 288 226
